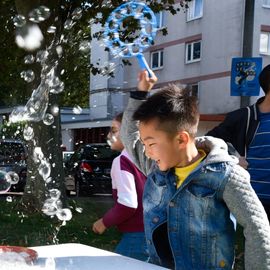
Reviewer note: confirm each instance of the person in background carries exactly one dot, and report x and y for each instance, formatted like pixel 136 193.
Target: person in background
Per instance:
pixel 127 189
pixel 248 130
pixel 192 186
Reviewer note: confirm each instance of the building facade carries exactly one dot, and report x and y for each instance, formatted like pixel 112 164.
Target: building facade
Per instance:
pixel 197 51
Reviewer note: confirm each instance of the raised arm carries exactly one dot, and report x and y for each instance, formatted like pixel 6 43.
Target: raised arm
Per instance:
pixel 244 204
pixel 129 128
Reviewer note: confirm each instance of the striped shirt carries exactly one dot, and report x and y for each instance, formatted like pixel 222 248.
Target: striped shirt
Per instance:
pixel 258 158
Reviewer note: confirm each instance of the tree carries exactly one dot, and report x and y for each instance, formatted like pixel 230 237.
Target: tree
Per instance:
pixel 64 35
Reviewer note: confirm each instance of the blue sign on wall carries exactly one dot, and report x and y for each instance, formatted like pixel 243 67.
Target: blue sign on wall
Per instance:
pixel 244 76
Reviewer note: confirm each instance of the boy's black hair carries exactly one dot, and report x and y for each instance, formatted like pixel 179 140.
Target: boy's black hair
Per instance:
pixel 174 108
pixel 264 79
pixel 119 117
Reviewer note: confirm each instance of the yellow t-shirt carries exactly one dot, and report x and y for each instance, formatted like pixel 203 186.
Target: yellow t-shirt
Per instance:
pixel 183 172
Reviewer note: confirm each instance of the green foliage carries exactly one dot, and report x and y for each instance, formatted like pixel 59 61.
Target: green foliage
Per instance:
pixel 19 228
pixel 75 63
pixel 12 130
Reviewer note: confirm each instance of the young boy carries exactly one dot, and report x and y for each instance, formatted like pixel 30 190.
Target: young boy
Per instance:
pixel 192 187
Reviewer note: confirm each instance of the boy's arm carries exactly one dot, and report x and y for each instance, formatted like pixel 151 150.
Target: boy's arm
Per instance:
pixel 130 136
pixel 244 204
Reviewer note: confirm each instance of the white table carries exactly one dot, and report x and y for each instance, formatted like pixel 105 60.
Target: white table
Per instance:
pixel 77 256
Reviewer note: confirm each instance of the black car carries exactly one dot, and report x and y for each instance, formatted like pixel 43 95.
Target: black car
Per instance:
pixel 87 171
pixel 13 156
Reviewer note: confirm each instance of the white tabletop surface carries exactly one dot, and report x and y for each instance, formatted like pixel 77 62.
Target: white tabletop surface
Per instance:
pixel 77 256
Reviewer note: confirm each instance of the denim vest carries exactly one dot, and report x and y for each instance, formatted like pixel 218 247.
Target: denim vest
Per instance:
pixel 189 227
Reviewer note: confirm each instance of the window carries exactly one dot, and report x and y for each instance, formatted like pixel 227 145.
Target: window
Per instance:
pixel 264 43
pixel 194 89
pixel 266 3
pixel 157 59
pixel 159 17
pixel 195 10
pixel 193 51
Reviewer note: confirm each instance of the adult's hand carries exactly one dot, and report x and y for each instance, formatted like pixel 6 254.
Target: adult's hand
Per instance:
pixel 146 83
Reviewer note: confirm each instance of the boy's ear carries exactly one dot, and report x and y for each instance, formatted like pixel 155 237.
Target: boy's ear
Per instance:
pixel 183 138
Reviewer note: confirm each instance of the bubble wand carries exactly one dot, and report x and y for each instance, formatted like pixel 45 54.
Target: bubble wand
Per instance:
pixel 147 20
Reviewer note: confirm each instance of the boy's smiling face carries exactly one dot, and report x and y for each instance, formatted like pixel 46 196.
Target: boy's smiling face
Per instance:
pixel 159 146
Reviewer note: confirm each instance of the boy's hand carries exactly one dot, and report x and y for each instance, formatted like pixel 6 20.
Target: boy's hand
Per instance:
pixel 146 83
pixel 99 227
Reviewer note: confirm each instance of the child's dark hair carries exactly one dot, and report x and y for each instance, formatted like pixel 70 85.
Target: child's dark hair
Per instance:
pixel 175 109
pixel 119 117
pixel 264 79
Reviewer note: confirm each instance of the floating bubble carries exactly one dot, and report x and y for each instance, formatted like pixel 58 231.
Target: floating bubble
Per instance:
pixel 44 169
pixel 48 180
pixel 28 75
pixel 54 193
pixel 58 88
pixel 79 209
pixel 29 38
pixel 59 50
pixel 51 207
pixel 84 46
pixel 64 214
pixel 48 119
pixel 51 29
pixel 37 154
pixel 28 133
pixel 55 110
pixel 19 20
pixel 41 56
pixel 9 199
pixel 76 14
pixel 68 24
pixel 19 114
pixel 77 110
pixel 4 184
pixel 12 177
pixel 39 14
pixel 29 59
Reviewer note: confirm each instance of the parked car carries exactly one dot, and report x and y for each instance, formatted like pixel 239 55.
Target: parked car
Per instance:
pixel 13 156
pixel 87 171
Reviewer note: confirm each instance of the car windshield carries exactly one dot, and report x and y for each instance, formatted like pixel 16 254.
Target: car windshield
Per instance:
pixel 97 152
pixel 11 151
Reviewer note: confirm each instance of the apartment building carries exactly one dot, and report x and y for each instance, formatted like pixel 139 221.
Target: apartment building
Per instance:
pixel 197 51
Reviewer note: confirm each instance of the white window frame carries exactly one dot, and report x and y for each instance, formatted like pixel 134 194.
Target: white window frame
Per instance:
pixel 192 60
pixel 191 11
pixel 265 5
pixel 160 23
pixel 268 43
pixel 159 52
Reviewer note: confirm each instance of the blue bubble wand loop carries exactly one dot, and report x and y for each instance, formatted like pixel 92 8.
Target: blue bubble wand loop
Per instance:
pixel 147 22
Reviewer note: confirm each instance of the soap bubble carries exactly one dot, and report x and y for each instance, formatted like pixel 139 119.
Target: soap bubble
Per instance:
pixel 77 110
pixel 55 193
pixel 48 119
pixel 28 75
pixel 29 59
pixel 4 184
pixel 64 214
pixel 51 207
pixel 44 169
pixel 51 29
pixel 19 20
pixel 76 14
pixel 12 177
pixel 39 14
pixel 29 37
pixel 28 133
